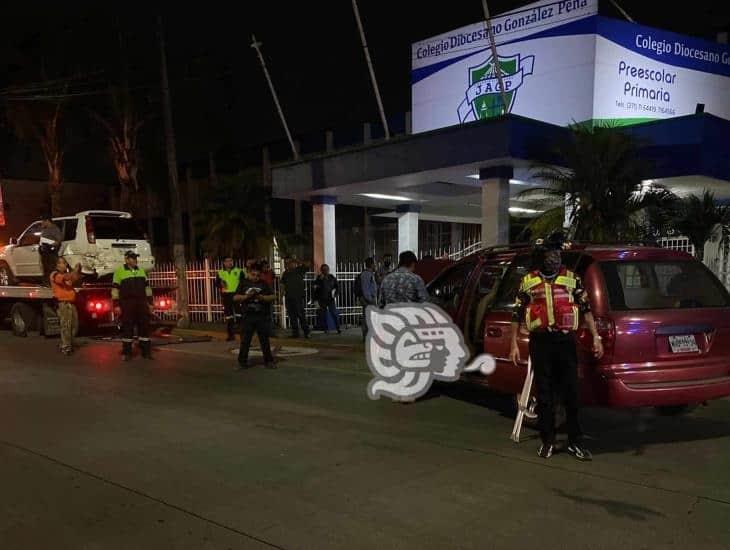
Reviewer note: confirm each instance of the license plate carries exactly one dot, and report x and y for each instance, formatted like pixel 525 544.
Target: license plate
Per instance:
pixel 683 344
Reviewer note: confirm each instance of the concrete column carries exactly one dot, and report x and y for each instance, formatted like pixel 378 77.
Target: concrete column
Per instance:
pixel 409 123
pixel 367 133
pixel 324 236
pixel 329 139
pixel 495 204
pixel 408 227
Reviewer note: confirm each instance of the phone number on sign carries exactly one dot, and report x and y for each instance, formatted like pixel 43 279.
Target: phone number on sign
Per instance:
pixel 645 108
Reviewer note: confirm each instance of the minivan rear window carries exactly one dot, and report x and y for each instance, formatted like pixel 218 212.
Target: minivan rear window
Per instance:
pixel 662 285
pixel 111 227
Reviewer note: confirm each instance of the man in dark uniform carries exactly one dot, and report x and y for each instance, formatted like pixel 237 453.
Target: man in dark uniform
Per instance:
pixel 294 292
pixel 325 292
pixel 132 297
pixel 228 280
pixel 255 297
pixel 550 301
pixel 50 244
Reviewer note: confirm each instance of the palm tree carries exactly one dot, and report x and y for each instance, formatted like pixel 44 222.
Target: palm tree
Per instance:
pixel 601 184
pixel 697 218
pixel 231 218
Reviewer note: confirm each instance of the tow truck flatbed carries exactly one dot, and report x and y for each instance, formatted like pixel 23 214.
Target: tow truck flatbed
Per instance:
pixel 31 307
pixel 30 292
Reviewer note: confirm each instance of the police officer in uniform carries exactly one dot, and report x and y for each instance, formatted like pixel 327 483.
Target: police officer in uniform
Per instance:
pixel 132 297
pixel 228 279
pixel 550 301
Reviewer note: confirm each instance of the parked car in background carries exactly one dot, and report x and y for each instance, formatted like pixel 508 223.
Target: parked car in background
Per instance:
pixel 664 318
pixel 96 239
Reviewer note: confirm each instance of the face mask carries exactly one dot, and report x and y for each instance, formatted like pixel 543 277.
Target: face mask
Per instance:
pixel 552 262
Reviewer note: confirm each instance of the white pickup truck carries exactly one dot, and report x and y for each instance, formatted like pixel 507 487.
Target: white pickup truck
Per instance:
pixel 97 239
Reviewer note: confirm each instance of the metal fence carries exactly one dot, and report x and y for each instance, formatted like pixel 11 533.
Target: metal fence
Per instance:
pixel 677 243
pixel 205 304
pixel 455 252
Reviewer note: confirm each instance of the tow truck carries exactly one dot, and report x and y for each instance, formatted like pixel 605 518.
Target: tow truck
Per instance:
pixel 31 308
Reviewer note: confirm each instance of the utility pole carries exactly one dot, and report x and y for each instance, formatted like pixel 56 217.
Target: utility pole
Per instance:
pixel 178 244
pixel 495 57
pixel 371 69
pixel 622 11
pixel 257 46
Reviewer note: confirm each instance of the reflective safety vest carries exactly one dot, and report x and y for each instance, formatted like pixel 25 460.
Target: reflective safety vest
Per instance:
pixel 230 279
pixel 552 305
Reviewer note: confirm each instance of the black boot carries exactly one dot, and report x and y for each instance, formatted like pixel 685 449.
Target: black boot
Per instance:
pixel 126 351
pixel 146 347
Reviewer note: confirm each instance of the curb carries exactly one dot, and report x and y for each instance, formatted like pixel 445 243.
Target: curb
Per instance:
pixel 277 340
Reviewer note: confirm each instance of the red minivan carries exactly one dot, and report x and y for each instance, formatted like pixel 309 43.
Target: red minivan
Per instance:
pixel 664 318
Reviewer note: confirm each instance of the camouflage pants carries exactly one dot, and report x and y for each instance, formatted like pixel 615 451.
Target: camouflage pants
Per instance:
pixel 69 323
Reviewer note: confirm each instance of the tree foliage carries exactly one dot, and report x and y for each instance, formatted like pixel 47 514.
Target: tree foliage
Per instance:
pixel 231 217
pixel 42 122
pixel 697 217
pixel 122 124
pixel 600 181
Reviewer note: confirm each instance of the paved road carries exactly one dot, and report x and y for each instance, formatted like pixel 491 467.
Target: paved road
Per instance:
pixel 185 453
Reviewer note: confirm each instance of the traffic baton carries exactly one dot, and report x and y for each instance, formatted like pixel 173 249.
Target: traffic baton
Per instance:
pixel 523 402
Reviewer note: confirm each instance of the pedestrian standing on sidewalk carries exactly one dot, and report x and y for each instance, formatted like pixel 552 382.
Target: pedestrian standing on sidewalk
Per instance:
pixel 366 290
pixel 549 302
pixel 403 285
pixel 228 280
pixel 294 290
pixel 63 280
pixel 325 292
pixel 255 297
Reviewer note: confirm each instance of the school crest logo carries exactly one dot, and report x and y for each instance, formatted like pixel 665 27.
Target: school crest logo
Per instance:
pixel 483 96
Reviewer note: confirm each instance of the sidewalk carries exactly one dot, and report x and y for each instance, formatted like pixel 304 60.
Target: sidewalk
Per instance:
pixel 350 339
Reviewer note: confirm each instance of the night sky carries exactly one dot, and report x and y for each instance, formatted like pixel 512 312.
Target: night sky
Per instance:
pixel 220 97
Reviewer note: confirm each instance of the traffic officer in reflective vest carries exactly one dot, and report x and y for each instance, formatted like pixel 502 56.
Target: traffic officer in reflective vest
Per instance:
pixel 549 302
pixel 132 297
pixel 228 279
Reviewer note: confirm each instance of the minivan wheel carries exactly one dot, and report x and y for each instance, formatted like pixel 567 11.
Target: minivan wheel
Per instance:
pixel 675 410
pixel 6 276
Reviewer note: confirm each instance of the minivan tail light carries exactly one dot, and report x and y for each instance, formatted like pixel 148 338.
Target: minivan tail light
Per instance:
pixel 90 236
